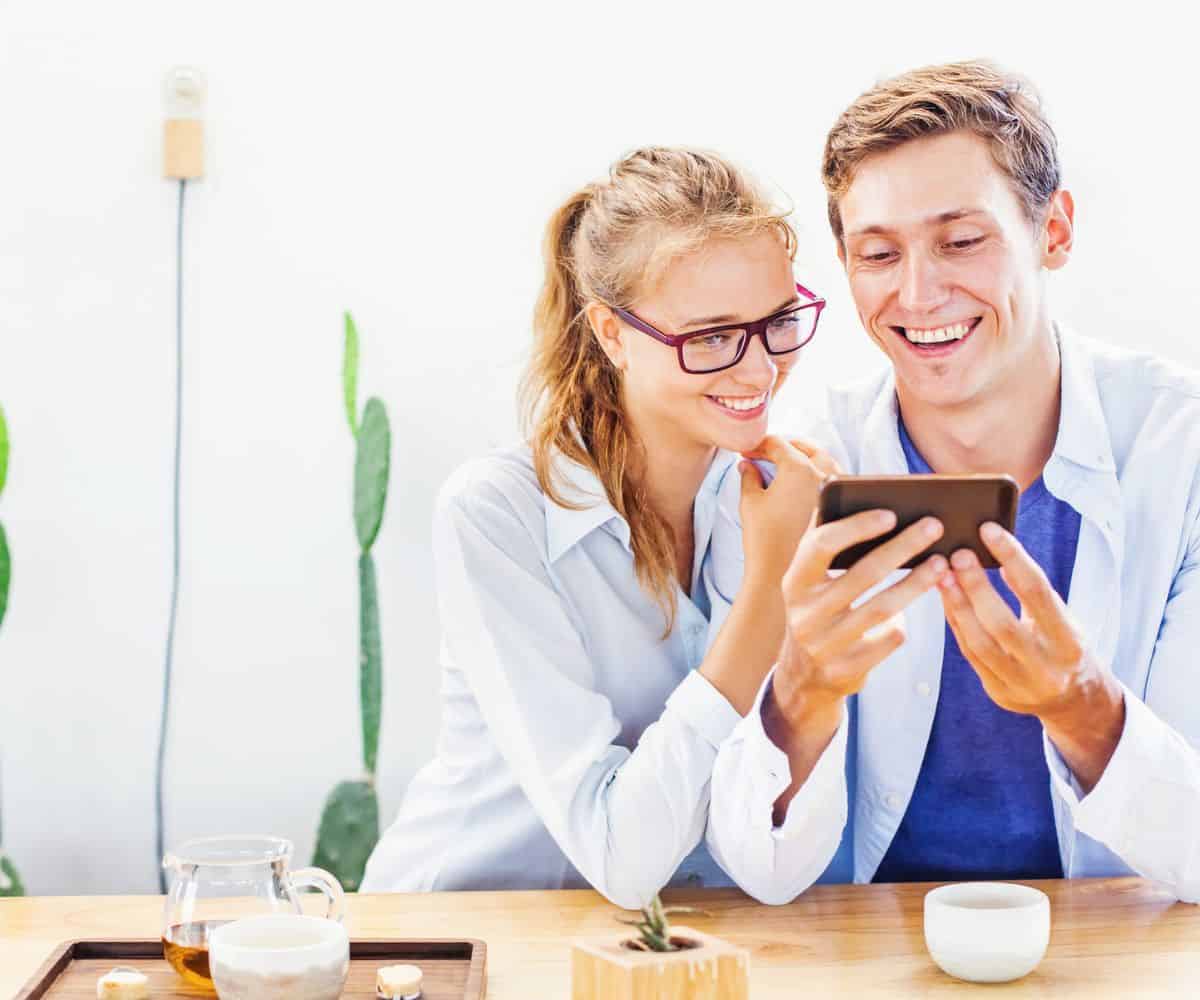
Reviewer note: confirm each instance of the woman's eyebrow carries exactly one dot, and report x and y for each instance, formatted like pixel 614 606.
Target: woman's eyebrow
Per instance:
pixel 721 320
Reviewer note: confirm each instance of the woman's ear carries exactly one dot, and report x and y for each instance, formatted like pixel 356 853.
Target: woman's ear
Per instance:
pixel 607 330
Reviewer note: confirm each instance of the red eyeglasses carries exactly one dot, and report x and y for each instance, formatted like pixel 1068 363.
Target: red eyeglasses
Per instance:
pixel 719 347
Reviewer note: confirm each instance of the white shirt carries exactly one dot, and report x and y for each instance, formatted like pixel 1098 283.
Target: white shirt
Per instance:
pixel 1127 458
pixel 576 743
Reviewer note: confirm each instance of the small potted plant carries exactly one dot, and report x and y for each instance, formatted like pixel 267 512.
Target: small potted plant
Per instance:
pixel 660 963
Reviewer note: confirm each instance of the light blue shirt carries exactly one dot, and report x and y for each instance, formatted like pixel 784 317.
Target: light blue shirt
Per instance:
pixel 576 743
pixel 1127 458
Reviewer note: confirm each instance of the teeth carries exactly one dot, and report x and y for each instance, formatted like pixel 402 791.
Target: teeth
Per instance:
pixel 937 335
pixel 741 402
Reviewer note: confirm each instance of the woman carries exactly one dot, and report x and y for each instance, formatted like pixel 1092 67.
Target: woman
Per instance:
pixel 584 690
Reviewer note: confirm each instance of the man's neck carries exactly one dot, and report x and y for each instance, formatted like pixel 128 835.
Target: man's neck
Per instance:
pixel 1012 429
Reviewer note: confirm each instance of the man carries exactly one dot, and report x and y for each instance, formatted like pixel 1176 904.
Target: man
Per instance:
pixel 950 722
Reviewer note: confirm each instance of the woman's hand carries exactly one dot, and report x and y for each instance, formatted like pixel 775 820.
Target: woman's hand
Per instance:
pixel 773 520
pixel 775 517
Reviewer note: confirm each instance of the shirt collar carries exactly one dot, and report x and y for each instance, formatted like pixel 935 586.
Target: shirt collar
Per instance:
pixel 1083 437
pixel 881 451
pixel 566 527
pixel 578 485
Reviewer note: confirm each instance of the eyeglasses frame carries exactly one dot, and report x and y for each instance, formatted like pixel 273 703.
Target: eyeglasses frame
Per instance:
pixel 755 328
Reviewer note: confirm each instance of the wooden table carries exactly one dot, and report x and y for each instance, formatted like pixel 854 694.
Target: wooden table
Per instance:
pixel 1110 937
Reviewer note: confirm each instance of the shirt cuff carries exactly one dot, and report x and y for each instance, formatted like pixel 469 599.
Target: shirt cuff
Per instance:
pixel 773 773
pixel 1103 807
pixel 704 708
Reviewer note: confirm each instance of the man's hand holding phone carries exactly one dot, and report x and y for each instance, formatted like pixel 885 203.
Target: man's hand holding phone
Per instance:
pixel 1037 664
pixel 830 644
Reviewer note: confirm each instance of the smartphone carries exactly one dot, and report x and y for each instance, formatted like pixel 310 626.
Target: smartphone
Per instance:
pixel 961 503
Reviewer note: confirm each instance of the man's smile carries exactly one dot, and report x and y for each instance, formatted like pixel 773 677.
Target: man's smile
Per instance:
pixel 938 340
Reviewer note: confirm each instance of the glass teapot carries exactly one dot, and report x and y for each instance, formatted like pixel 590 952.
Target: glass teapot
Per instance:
pixel 218 879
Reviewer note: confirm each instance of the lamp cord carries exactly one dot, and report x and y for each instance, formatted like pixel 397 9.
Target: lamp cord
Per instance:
pixel 174 609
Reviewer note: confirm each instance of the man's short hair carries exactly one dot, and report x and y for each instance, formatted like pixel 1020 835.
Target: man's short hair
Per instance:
pixel 999 107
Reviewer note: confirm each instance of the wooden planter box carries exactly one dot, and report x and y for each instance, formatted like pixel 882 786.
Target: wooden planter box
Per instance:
pixel 607 970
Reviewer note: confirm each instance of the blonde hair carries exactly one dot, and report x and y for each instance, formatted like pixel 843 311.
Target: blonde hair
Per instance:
pixel 610 242
pixel 977 96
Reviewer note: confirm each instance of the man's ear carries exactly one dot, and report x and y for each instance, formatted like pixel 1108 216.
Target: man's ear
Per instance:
pixel 841 251
pixel 1058 231
pixel 607 330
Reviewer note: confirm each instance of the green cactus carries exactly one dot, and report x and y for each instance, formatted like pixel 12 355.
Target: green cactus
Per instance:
pixel 3 450
pixel 10 881
pixel 5 556
pixel 371 466
pixel 5 572
pixel 349 826
pixel 349 832
pixel 654 930
pixel 370 677
pixel 350 374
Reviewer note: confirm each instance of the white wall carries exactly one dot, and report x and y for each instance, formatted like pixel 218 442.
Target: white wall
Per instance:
pixel 400 165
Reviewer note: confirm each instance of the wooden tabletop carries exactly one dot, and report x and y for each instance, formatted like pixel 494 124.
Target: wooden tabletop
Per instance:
pixel 1110 937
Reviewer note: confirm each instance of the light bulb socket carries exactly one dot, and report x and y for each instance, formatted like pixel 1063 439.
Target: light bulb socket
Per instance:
pixel 184 92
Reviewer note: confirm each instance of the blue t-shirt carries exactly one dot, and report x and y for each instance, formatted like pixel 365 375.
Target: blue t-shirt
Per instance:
pixel 981 807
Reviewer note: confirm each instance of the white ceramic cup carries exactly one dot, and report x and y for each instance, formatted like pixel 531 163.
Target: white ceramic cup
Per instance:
pixel 987 932
pixel 279 956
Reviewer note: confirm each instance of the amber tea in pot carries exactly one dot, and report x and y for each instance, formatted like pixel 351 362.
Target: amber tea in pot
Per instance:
pixel 218 879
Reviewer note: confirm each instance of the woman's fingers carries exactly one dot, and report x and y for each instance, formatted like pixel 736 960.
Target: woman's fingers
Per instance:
pixel 813 464
pixel 772 448
pixel 821 459
pixel 775 449
pixel 809 451
pixel 752 479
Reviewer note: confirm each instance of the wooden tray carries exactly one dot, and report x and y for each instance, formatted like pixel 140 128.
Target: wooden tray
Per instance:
pixel 454 970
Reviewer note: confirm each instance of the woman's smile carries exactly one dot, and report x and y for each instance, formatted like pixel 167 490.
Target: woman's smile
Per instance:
pixel 742 407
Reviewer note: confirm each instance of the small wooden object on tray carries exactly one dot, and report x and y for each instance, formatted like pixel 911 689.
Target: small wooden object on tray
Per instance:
pixel 454 970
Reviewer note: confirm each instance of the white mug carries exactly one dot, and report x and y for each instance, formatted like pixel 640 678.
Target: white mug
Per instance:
pixel 282 956
pixel 987 932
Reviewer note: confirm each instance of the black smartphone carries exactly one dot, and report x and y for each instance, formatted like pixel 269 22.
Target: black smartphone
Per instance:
pixel 961 503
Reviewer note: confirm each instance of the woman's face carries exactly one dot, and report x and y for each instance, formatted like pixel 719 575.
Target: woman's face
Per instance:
pixel 727 281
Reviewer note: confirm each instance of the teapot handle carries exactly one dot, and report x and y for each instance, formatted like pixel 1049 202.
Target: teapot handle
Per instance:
pixel 318 878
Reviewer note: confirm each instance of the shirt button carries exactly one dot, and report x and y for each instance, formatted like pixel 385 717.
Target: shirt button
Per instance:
pixel 924 690
pixel 893 801
pixel 772 775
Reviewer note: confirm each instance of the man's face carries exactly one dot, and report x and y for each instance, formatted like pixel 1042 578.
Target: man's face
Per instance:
pixel 946 268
